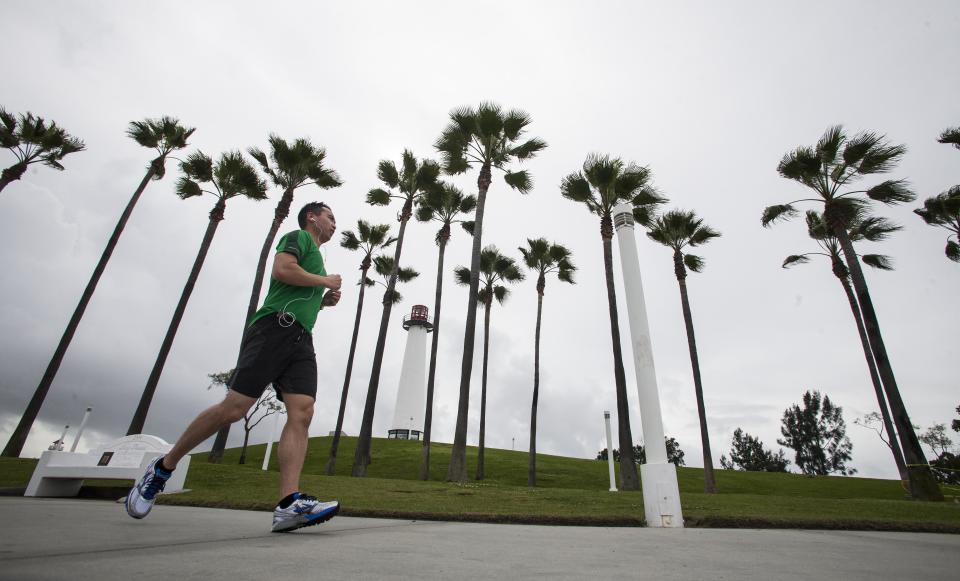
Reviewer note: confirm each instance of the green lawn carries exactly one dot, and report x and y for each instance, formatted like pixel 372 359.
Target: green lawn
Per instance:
pixel 570 491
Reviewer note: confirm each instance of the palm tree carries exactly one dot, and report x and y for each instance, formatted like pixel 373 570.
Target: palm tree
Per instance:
pixel 444 205
pixel 31 140
pixel 165 136
pixel 677 230
pixel 410 183
pixel 543 258
pixel 231 176
pixel 871 229
pixel 488 137
pixel 944 211
pixel 604 183
pixel 830 166
pixel 295 164
pixel 495 268
pixel 369 239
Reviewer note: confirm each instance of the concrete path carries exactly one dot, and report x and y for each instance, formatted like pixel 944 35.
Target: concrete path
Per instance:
pixel 86 539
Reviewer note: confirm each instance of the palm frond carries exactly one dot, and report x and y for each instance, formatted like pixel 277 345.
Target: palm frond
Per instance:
pixel 406 274
pixel 528 149
pixel 387 173
pixel 694 263
pixel 187 188
pixel 198 166
pixel 829 144
pixel 378 197
pixel 462 275
pixel 874 229
pixel 891 192
pixel 383 265
pixel 953 251
pixel 778 212
pixel 878 261
pixel 349 240
pixel 468 226
pixel 795 259
pixel 952 136
pixel 519 180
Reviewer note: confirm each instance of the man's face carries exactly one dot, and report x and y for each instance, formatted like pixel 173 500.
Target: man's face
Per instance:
pixel 325 224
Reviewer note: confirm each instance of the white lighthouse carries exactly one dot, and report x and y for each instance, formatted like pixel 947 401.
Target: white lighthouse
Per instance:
pixel 661 495
pixel 412 392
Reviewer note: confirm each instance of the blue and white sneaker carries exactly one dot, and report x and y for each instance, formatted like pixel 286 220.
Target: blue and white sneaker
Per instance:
pixel 141 497
pixel 303 512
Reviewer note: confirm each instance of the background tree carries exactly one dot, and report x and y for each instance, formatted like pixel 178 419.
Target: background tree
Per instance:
pixel 165 136
pixel 294 165
pixel 946 463
pixel 265 406
pixel 829 169
pixel 490 138
pixel 31 140
pixel 410 183
pixel 874 421
pixel 674 453
pixel 748 453
pixel 543 258
pixel 677 230
pixel 871 229
pixel 444 204
pixel 603 183
pixel 495 268
pixel 817 434
pixel 369 239
pixel 231 176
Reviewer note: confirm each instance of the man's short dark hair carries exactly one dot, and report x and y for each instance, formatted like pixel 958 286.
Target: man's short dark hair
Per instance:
pixel 312 208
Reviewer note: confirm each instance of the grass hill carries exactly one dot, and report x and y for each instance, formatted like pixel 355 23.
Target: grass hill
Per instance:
pixel 569 491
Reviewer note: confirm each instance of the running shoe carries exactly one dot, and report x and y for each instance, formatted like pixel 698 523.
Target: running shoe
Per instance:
pixel 141 497
pixel 303 512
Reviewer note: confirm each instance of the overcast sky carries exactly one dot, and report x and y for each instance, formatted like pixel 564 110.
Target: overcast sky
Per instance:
pixel 709 95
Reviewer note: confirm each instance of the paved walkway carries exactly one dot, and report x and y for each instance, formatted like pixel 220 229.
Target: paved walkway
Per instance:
pixel 85 539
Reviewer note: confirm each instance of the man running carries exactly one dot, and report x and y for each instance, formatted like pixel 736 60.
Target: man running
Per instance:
pixel 277 349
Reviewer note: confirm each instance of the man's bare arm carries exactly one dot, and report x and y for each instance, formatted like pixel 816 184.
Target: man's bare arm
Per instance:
pixel 288 271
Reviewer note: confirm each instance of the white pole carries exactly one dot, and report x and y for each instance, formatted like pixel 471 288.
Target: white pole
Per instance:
pixel 273 436
pixel 613 481
pixel 83 424
pixel 661 494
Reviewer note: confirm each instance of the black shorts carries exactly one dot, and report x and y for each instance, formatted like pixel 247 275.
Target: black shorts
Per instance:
pixel 272 353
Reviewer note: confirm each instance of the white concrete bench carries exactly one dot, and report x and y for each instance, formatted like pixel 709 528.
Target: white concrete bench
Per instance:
pixel 63 473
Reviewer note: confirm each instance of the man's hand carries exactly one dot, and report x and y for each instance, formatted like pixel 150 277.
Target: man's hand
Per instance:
pixel 331 298
pixel 333 283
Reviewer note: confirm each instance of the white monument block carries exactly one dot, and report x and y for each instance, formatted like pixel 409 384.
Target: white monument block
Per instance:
pixel 62 473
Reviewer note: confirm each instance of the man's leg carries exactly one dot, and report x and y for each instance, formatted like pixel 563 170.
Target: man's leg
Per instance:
pixel 232 408
pixel 293 441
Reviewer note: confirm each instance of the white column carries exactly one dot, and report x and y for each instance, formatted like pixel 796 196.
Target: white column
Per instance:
pixel 661 495
pixel 273 436
pixel 613 478
pixel 83 424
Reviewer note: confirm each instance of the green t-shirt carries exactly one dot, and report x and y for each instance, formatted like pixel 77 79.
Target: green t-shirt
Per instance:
pixel 303 302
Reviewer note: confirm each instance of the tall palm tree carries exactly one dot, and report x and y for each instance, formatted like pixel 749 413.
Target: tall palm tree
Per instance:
pixel 944 211
pixel 490 138
pixel 871 229
pixel 295 165
pixel 413 180
pixel 165 136
pixel 231 176
pixel 543 258
pixel 603 183
pixel 368 238
pixel 677 230
pixel 31 141
pixel 495 268
pixel 828 168
pixel 445 204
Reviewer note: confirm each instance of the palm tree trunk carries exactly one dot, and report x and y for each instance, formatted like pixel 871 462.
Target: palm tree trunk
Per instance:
pixel 483 387
pixel 874 377
pixel 12 174
pixel 361 457
pixel 432 374
pixel 457 471
pixel 532 465
pixel 140 416
pixel 19 437
pixel 923 485
pixel 710 483
pixel 628 467
pixel 331 468
pixel 279 215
